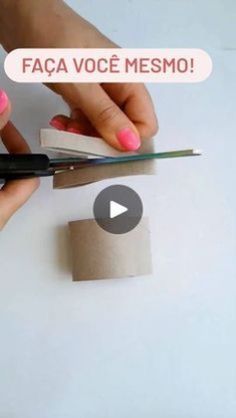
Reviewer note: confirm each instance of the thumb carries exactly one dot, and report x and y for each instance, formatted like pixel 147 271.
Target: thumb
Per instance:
pixel 4 109
pixel 106 117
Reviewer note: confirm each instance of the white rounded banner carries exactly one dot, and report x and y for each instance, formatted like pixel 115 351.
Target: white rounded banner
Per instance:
pixel 108 65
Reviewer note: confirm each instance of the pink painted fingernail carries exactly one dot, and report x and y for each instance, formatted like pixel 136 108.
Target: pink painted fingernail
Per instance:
pixel 3 101
pixel 128 139
pixel 73 130
pixel 57 124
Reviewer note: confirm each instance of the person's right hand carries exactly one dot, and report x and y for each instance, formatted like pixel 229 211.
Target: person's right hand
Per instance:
pixel 14 193
pixel 122 114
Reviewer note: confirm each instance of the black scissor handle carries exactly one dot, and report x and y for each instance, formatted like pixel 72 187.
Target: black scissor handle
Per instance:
pixel 23 163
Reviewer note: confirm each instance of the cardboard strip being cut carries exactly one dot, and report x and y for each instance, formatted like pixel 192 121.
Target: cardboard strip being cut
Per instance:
pixel 81 145
pixel 74 144
pixel 97 254
pixel 92 174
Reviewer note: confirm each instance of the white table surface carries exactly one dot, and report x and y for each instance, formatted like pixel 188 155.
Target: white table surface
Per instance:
pixel 161 346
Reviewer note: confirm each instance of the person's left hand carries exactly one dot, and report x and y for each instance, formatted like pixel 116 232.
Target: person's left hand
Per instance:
pixel 14 193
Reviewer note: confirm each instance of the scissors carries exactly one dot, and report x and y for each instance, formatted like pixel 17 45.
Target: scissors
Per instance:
pixel 23 166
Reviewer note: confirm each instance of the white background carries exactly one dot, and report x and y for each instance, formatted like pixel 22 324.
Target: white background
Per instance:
pixel 161 346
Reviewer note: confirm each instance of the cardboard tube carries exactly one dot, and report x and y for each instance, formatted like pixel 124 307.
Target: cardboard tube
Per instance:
pixel 97 254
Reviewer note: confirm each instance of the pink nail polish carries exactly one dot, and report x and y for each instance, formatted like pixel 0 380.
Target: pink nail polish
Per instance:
pixel 128 139
pixel 57 125
pixel 3 101
pixel 73 130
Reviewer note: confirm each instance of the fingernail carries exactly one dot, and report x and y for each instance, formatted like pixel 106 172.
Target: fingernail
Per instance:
pixel 57 125
pixel 128 139
pixel 73 130
pixel 3 101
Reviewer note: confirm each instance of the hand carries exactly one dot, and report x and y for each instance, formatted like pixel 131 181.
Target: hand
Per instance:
pixel 14 193
pixel 122 114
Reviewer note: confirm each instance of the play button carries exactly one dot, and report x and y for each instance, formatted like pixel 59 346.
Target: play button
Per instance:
pixel 118 209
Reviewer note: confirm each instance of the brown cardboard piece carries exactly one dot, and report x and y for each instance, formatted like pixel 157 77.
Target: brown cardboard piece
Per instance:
pixel 88 147
pixel 86 175
pixel 75 144
pixel 83 145
pixel 97 254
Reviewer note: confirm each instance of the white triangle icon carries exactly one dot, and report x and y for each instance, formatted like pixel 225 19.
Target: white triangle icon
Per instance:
pixel 116 209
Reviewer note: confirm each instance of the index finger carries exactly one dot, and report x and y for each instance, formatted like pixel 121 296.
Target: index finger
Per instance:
pixel 137 104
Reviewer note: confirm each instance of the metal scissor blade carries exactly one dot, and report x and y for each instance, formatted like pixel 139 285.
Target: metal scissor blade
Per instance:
pixel 71 163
